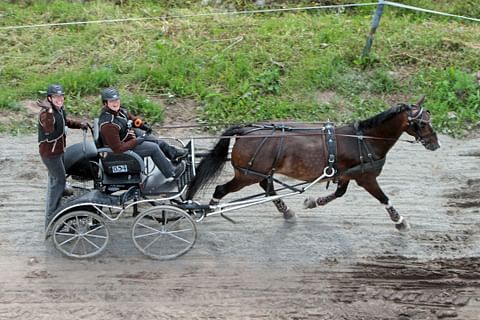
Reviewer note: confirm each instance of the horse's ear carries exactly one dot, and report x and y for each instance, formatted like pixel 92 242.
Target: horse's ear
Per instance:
pixel 420 101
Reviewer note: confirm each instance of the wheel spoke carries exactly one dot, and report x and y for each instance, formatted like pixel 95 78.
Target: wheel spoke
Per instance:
pixel 73 236
pixel 83 246
pixel 148 227
pixel 97 228
pixel 66 234
pixel 70 226
pixel 75 245
pixel 91 242
pixel 152 242
pixel 176 222
pixel 147 234
pixel 179 238
pixel 177 231
pixel 95 236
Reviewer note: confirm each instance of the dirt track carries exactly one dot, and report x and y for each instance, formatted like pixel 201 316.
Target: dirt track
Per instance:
pixel 342 261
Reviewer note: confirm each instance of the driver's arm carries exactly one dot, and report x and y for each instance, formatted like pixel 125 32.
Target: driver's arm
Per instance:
pixel 111 137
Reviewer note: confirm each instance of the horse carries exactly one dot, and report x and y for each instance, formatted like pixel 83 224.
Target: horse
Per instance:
pixel 354 151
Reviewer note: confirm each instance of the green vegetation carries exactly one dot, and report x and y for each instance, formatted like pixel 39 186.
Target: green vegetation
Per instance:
pixel 292 65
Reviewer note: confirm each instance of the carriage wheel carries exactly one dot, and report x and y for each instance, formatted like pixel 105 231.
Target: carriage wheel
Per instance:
pixel 164 232
pixel 80 234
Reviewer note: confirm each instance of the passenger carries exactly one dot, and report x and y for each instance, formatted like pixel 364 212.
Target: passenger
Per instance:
pixel 52 143
pixel 116 132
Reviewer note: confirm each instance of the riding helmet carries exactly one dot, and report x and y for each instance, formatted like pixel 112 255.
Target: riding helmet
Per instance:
pixel 55 90
pixel 110 94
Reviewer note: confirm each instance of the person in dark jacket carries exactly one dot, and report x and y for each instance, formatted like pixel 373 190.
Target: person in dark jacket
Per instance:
pixel 52 142
pixel 116 126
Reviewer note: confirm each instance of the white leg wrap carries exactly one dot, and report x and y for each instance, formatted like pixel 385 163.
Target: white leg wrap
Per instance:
pixel 400 221
pixel 388 205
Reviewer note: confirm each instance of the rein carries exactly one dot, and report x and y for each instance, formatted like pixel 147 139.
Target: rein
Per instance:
pixel 289 135
pixel 259 127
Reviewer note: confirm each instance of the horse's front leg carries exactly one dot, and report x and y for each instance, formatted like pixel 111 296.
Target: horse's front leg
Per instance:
pixel 288 214
pixel 370 184
pixel 311 202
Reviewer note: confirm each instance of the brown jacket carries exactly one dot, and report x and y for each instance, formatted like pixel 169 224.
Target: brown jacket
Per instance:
pixel 47 124
pixel 110 132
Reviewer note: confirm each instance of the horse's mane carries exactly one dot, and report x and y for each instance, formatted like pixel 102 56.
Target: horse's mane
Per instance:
pixel 381 117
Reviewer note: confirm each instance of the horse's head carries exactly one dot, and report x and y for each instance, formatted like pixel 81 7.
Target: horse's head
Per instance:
pixel 420 126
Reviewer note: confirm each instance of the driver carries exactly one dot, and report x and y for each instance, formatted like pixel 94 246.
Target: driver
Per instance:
pixel 116 132
pixel 51 143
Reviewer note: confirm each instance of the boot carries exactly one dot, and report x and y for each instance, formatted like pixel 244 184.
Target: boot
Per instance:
pixel 178 154
pixel 179 170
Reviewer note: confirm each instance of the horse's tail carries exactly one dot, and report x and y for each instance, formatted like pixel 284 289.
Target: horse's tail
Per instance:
pixel 211 165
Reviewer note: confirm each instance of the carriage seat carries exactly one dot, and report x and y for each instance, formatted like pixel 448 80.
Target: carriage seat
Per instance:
pixel 120 170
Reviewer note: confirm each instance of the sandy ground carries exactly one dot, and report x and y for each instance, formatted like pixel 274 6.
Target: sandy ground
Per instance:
pixel 342 261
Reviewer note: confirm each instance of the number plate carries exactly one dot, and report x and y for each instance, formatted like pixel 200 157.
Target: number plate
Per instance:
pixel 122 168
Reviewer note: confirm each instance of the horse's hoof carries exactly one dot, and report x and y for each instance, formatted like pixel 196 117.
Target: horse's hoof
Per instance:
pixel 309 203
pixel 289 215
pixel 402 226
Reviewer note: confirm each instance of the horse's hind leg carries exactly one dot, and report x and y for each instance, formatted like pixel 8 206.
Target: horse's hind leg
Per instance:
pixel 237 183
pixel 370 184
pixel 311 203
pixel 288 213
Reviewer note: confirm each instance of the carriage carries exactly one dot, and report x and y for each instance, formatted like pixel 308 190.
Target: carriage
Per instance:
pixel 165 213
pixel 108 186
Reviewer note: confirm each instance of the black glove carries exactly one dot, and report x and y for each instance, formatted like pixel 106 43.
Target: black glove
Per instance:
pixel 45 106
pixel 146 128
pixel 140 140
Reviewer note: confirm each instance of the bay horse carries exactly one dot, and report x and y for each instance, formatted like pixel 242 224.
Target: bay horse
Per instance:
pixel 351 152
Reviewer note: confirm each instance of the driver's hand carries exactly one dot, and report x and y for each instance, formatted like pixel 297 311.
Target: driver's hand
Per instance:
pixel 146 128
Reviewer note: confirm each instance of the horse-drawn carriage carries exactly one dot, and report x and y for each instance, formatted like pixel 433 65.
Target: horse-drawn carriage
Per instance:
pixel 165 213
pixel 112 185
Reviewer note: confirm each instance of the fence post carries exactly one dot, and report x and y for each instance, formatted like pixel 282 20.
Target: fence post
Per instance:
pixel 375 23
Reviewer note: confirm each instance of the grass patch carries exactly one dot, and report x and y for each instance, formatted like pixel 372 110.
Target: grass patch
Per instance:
pixel 243 68
pixel 454 99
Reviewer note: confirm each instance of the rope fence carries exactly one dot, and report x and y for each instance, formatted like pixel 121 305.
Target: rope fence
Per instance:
pixel 404 6
pixel 171 17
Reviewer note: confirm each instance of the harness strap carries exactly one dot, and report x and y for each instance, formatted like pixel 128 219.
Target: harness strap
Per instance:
pixel 374 165
pixel 248 171
pixel 273 127
pixel 259 147
pixel 279 152
pixel 361 142
pixel 331 143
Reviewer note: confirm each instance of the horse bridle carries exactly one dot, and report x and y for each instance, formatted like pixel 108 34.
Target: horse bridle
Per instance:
pixel 417 120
